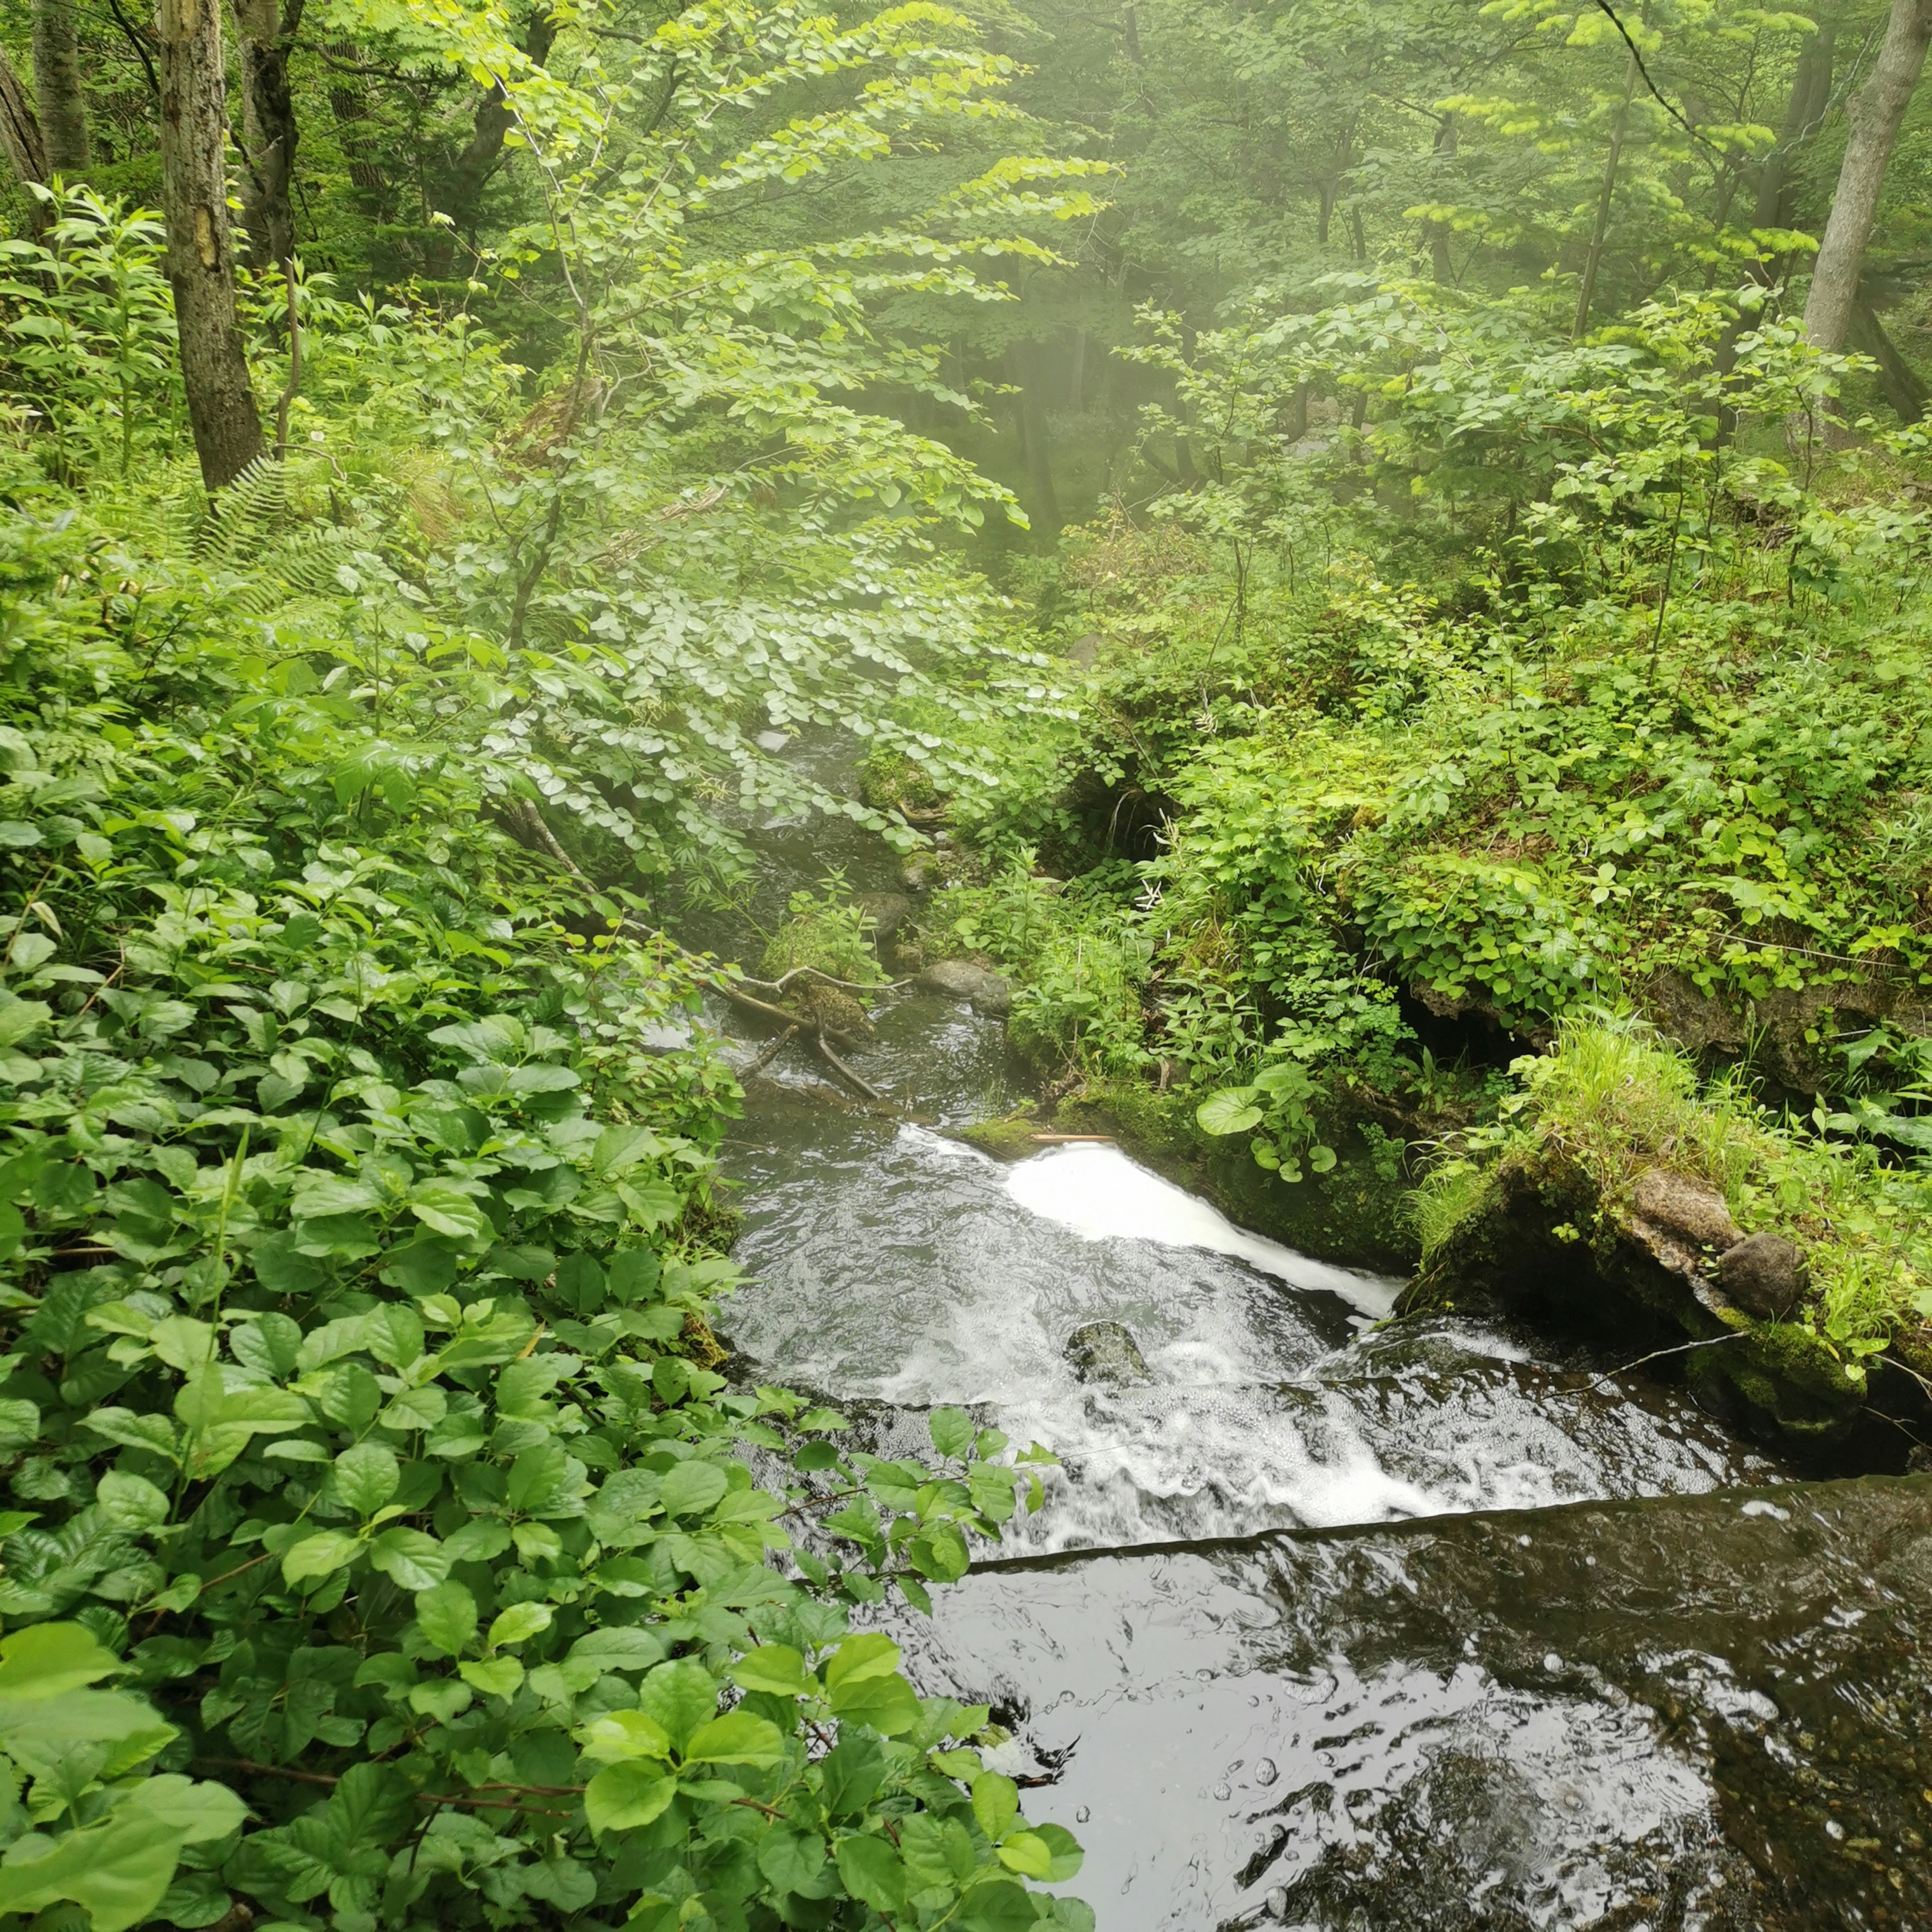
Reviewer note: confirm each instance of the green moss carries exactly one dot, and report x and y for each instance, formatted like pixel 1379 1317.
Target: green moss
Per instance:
pixel 1004 1140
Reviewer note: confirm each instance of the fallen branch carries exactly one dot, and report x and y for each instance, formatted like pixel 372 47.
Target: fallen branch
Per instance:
pixel 845 1073
pixel 1098 1140
pixel 770 1054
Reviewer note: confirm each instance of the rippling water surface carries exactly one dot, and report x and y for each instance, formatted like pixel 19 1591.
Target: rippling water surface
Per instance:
pixel 1328 1625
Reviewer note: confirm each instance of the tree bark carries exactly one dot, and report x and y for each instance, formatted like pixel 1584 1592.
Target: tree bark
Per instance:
pixel 494 119
pixel 1600 234
pixel 1876 112
pixel 200 258
pixel 20 138
pixel 1898 382
pixel 269 131
pixel 1440 264
pixel 1776 205
pixel 57 93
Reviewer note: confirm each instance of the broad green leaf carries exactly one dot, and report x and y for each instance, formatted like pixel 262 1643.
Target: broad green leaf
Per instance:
pixel 689 1488
pixel 1026 1853
pixel 365 1478
pixel 888 1704
pixel 119 1870
pixel 736 1738
pixel 951 1430
pixel 46 1660
pixel 519 1623
pixel 625 1796
pixel 414 1560
pixel 320 1555
pixel 870 1654
pixel 1230 1111
pixel 996 1803
pixel 447 1617
pixel 773 1667
pixel 873 1872
pixel 624 1734
pixel 681 1696
pixel 791 1860
pixel 494 1676
pixel 130 1504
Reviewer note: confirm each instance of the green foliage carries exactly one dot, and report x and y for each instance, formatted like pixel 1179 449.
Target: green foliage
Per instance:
pixel 826 932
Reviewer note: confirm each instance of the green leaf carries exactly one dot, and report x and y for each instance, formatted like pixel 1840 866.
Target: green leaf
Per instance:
pixel 46 1660
pixel 447 1616
pixel 494 1676
pixel 320 1555
pixel 365 1478
pixel 1001 1906
pixel 1064 1856
pixel 1229 1111
pixel 790 1861
pixel 129 1504
pixel 681 1696
pixel 445 1211
pixel 870 1654
pixel 627 1795
pixel 621 1735
pixel 690 1488
pixel 872 1872
pixel 888 1704
pixel 519 1623
pixel 414 1560
pixel 775 1668
pixel 1026 1853
pixel 951 1430
pixel 119 1870
pixel 736 1738
pixel 996 1803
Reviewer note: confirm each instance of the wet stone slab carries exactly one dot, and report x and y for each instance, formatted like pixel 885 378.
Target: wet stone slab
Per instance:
pixel 1709 1712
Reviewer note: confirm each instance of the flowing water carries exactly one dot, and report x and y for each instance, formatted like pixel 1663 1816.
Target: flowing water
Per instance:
pixel 1325 1624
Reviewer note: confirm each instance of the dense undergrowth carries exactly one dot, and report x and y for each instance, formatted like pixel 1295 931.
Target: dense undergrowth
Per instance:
pixel 1563 684
pixel 361 1417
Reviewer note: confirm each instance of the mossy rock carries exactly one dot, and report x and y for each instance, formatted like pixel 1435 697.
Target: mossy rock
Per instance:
pixel 1004 1140
pixel 1541 1240
pixel 1354 1216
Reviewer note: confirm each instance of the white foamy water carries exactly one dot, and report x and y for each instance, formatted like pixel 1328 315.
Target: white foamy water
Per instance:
pixel 901 1264
pixel 1102 1195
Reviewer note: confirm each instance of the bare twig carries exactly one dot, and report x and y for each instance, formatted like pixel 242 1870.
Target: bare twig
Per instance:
pixel 770 1054
pixel 845 1073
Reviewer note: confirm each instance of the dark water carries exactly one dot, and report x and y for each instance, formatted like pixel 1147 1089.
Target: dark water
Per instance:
pixel 1330 1625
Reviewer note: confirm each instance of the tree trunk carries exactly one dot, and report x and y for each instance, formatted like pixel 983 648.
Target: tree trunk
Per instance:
pixel 200 259
pixel 494 119
pixel 20 138
pixel 1440 265
pixel 1898 382
pixel 1876 112
pixel 57 88
pixel 1776 205
pixel 268 130
pixel 1599 233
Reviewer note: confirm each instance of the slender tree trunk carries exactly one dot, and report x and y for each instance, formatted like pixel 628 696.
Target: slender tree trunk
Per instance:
pixel 201 263
pixel 57 93
pixel 1447 138
pixel 1599 233
pixel 1900 383
pixel 20 139
pixel 1876 112
pixel 1076 378
pixel 267 32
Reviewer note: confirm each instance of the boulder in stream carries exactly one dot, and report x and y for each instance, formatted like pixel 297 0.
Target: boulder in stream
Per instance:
pixel 888 911
pixel 1105 1351
pixel 1764 1275
pixel 988 992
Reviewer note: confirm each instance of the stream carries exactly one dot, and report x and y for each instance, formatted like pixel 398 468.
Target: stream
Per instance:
pixel 1328 1625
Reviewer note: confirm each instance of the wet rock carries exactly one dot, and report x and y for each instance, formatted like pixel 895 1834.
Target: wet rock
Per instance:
pixel 1085 652
pixel 1764 1275
pixel 830 1007
pixel 888 912
pixel 1691 1209
pixel 920 872
pixel 1104 1351
pixel 984 989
